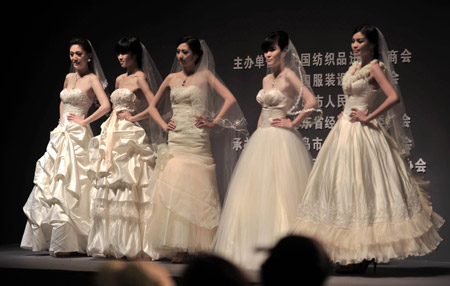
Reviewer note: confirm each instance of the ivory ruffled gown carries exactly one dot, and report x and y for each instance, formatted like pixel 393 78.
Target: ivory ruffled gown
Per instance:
pixel 58 206
pixel 265 189
pixel 186 207
pixel 362 200
pixel 122 163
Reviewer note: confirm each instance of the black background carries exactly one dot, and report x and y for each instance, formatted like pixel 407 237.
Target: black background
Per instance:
pixel 35 60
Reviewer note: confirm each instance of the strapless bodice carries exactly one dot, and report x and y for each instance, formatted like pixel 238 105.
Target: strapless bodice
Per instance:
pixel 124 99
pixel 75 101
pixel 274 104
pixel 188 101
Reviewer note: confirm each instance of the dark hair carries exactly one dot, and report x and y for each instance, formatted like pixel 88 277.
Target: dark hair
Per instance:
pixel 295 257
pixel 371 34
pixel 194 45
pixel 86 46
pixel 279 37
pixel 130 45
pixel 209 269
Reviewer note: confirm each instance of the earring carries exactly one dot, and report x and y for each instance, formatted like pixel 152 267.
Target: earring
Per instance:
pixel 89 60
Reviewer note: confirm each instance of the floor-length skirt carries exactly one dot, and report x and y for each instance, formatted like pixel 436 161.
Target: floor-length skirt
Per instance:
pixel 122 164
pixel 263 195
pixel 58 207
pixel 363 201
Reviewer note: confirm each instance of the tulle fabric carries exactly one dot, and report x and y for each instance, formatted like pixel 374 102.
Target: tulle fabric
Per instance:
pixel 58 206
pixel 265 189
pixel 186 204
pixel 122 164
pixel 362 200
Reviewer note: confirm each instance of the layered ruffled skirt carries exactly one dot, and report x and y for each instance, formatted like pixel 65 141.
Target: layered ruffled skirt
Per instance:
pixel 122 163
pixel 362 200
pixel 263 195
pixel 58 206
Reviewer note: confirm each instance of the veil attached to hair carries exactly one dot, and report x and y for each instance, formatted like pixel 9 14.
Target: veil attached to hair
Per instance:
pixel 292 61
pixel 97 68
pixel 229 135
pixel 153 77
pixel 394 118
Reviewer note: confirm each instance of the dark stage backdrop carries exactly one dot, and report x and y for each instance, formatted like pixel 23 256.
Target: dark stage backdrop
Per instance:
pixel 36 61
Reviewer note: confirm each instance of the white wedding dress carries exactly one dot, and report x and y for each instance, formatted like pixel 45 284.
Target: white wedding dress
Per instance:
pixel 186 204
pixel 58 206
pixel 362 200
pixel 122 161
pixel 265 188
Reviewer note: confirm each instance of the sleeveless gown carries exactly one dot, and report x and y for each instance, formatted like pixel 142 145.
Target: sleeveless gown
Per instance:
pixel 186 203
pixel 122 163
pixel 362 200
pixel 57 209
pixel 265 188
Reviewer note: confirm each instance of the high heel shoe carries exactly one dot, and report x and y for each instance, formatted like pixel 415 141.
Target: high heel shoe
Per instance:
pixel 362 266
pixel 357 268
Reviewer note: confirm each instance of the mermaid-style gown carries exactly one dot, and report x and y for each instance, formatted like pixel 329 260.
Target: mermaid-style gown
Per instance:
pixel 58 206
pixel 122 163
pixel 186 207
pixel 265 188
pixel 362 200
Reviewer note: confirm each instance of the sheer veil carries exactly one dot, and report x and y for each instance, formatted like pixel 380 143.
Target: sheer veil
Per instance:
pixel 394 118
pixel 230 133
pixel 292 61
pixel 96 67
pixel 154 80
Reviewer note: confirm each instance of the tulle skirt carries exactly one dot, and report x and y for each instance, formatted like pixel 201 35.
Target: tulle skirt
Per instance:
pixel 122 164
pixel 263 195
pixel 58 207
pixel 362 200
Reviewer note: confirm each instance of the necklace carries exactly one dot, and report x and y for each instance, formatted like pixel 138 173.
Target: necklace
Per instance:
pixel 275 78
pixel 186 78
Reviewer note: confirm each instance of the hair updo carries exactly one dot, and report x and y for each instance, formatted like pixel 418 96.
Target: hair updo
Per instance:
pixel 194 45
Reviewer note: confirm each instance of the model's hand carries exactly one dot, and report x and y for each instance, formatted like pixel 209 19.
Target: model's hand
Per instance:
pixel 170 126
pixel 282 122
pixel 72 117
pixel 358 115
pixel 200 122
pixel 124 114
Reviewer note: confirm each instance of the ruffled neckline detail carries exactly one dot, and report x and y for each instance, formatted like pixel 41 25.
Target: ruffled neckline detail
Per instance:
pixel 353 75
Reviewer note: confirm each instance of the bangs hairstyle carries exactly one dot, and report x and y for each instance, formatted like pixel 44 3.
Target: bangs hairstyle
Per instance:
pixel 130 45
pixel 279 37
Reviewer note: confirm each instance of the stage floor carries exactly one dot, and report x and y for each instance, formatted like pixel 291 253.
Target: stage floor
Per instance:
pixel 22 265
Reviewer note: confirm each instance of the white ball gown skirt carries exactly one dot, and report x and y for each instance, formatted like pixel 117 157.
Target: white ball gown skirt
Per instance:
pixel 122 164
pixel 362 200
pixel 58 206
pixel 263 195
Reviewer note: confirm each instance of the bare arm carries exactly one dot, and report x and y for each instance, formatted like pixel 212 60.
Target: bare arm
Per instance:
pixel 391 97
pixel 102 98
pixel 225 93
pixel 163 91
pixel 149 96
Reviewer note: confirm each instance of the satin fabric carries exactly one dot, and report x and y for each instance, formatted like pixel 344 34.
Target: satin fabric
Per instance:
pixel 362 200
pixel 58 207
pixel 122 162
pixel 265 189
pixel 186 205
